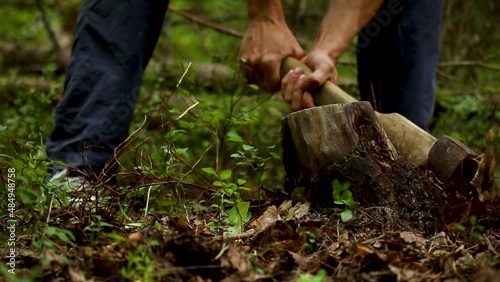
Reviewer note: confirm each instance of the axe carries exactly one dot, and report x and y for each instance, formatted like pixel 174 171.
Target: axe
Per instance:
pixel 447 158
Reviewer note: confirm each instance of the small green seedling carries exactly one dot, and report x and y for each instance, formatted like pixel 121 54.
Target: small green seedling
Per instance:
pixel 342 195
pixel 238 216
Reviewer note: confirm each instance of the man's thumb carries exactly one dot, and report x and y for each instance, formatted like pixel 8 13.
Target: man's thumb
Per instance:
pixel 298 53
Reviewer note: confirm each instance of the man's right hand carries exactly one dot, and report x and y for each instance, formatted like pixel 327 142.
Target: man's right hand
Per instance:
pixel 296 87
pixel 265 44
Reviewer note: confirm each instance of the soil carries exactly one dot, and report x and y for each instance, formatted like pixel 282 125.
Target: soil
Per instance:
pixel 284 241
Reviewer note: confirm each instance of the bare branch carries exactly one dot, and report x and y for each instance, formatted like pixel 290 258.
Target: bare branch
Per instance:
pixel 46 23
pixel 201 21
pixel 469 63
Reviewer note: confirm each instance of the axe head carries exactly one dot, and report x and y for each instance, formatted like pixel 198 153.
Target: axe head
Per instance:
pixel 451 160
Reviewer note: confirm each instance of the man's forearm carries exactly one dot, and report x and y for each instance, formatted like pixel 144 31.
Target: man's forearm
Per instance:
pixel 265 10
pixel 343 20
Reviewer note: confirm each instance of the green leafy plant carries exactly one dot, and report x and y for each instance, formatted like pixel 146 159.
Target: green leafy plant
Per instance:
pixel 342 195
pixel 238 216
pixel 312 242
pixel 96 226
pixel 257 160
pixel 475 231
pixel 140 265
pixel 229 192
pixel 50 238
pixel 250 154
pixel 318 277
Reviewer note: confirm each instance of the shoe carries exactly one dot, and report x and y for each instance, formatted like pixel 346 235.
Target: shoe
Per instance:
pixel 72 189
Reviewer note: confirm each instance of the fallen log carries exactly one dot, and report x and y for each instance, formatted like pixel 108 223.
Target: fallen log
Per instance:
pixel 34 59
pixel 31 59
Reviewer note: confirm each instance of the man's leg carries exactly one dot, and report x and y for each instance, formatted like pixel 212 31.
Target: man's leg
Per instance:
pixel 113 43
pixel 398 52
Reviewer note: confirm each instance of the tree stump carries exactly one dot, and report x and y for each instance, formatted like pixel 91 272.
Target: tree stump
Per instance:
pixel 346 142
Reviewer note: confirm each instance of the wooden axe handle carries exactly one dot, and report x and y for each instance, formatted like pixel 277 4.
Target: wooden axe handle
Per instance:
pixel 411 141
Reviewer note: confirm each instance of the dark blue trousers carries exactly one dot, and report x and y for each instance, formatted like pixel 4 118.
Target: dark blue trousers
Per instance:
pixel 398 53
pixel 113 43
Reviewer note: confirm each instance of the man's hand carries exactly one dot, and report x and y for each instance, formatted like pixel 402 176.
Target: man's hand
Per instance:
pixel 296 87
pixel 263 47
pixel 342 21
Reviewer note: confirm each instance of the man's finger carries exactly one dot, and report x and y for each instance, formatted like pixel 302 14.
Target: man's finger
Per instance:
pixel 298 53
pixel 335 76
pixel 246 70
pixel 267 73
pixel 290 86
pixel 284 85
pixel 297 94
pixel 249 77
pixel 320 75
pixel 307 100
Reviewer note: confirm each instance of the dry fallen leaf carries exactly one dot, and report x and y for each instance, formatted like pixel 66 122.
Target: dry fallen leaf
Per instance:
pixel 361 250
pixel 285 206
pixel 76 275
pixel 239 260
pixel 409 237
pixel 135 237
pixel 300 210
pixel 334 246
pixel 52 257
pixel 268 219
pixel 207 232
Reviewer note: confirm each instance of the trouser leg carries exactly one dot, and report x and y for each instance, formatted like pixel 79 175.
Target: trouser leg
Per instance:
pixel 398 53
pixel 113 43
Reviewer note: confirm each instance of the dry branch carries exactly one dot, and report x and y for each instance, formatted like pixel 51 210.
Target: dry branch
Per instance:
pixel 48 27
pixel 201 21
pixel 469 63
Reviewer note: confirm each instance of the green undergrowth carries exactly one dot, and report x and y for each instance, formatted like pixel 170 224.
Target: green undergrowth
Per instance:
pixel 182 141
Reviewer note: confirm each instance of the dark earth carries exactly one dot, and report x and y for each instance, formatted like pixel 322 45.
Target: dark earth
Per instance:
pixel 283 241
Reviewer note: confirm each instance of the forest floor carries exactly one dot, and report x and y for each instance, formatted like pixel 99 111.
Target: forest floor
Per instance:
pixel 281 242
pixel 189 238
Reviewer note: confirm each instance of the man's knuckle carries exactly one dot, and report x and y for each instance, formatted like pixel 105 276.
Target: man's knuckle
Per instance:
pixel 329 67
pixel 267 60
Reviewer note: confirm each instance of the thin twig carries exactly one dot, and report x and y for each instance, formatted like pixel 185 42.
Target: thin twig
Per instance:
pixel 147 201
pixel 50 31
pixel 235 236
pixel 187 110
pixel 183 75
pixel 469 63
pixel 201 21
pixel 162 182
pixel 137 130
pixel 50 208
pixel 347 63
pixel 191 168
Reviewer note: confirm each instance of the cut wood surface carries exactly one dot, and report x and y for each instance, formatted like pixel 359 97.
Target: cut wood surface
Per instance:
pixel 328 134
